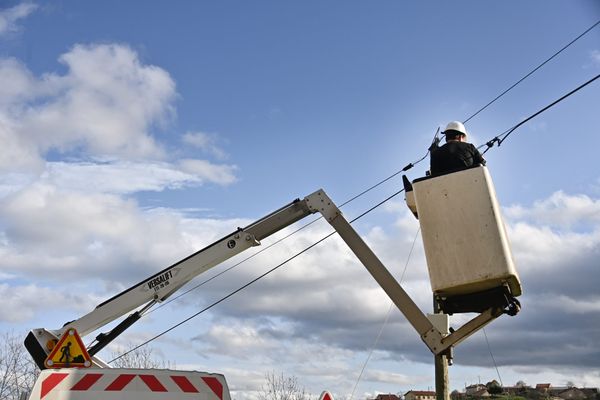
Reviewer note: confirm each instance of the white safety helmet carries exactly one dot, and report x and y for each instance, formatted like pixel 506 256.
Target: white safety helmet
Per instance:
pixel 455 126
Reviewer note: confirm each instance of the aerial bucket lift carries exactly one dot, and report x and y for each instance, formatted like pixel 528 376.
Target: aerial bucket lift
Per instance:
pixel 72 371
pixel 468 254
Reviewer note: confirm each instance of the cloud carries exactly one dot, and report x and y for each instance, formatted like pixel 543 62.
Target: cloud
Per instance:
pixel 234 339
pixel 388 377
pixel 205 142
pixel 324 300
pixel 326 294
pixel 107 104
pixel 595 56
pixel 556 245
pixel 24 302
pixel 49 232
pixel 559 210
pixel 9 17
pixel 203 169
pixel 123 177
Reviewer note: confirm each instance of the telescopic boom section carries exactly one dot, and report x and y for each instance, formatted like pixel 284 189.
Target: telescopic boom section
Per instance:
pixel 160 286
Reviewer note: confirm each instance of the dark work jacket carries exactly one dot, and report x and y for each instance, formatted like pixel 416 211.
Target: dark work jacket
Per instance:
pixel 454 156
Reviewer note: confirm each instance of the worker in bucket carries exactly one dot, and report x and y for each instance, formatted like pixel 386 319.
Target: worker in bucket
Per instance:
pixel 456 154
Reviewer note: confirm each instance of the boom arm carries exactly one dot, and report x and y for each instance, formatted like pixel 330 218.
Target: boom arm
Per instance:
pixel 160 286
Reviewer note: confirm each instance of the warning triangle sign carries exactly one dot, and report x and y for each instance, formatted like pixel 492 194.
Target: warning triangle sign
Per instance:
pixel 69 352
pixel 326 396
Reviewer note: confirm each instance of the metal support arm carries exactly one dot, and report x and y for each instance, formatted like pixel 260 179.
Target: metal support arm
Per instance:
pixel 435 341
pixel 430 335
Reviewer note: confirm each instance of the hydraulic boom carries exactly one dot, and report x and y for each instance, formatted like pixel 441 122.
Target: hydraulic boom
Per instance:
pixel 157 288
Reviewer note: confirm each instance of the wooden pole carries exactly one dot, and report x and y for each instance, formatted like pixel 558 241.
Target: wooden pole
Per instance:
pixel 441 368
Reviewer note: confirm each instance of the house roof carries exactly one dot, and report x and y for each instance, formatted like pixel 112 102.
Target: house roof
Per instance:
pixel 475 386
pixel 387 397
pixel 420 393
pixel 542 386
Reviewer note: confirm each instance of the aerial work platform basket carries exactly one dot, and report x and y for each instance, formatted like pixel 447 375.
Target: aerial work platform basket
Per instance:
pixel 468 253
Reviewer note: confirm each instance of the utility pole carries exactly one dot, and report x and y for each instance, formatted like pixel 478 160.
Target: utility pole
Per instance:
pixel 441 367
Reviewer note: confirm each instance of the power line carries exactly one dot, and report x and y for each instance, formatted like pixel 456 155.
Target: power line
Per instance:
pixel 233 266
pixel 532 71
pixel 503 136
pixel 492 355
pixel 252 281
pixel 284 237
pixel 406 168
pixel 498 139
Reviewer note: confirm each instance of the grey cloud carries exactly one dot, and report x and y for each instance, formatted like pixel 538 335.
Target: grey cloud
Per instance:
pixel 558 325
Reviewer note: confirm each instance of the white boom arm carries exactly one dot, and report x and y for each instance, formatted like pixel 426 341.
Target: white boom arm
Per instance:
pixel 160 286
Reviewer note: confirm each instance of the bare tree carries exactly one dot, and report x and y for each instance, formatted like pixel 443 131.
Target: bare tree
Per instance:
pixel 142 357
pixel 279 387
pixel 18 372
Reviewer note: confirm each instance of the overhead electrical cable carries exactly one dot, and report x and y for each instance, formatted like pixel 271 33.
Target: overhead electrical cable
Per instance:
pixel 503 136
pixel 233 266
pixel 498 139
pixel 493 359
pixel 381 182
pixel 406 168
pixel 532 71
pixel 252 281
pixel 489 144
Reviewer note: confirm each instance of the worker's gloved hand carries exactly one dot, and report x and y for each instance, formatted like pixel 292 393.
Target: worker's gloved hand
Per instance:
pixel 434 146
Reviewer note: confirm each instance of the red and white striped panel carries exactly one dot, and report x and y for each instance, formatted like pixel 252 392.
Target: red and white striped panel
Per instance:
pixel 97 384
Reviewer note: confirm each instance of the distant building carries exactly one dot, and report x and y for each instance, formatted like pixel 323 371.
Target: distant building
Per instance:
pixel 389 396
pixel 572 394
pixel 541 391
pixel 591 393
pixel 481 393
pixel 471 390
pixel 543 387
pixel 419 395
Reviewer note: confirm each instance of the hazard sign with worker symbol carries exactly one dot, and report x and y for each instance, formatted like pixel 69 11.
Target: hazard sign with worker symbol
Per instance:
pixel 69 352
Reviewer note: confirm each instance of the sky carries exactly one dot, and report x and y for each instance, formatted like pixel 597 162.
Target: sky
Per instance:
pixel 135 133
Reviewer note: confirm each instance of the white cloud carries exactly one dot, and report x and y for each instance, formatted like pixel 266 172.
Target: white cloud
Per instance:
pixel 47 230
pixel 388 377
pixel 17 85
pixel 560 210
pixel 323 302
pixel 6 277
pixel 104 108
pixel 540 248
pixel 22 303
pixel 205 142
pixel 9 17
pixel 595 56
pixel 235 339
pixel 223 174
pixel 106 104
pixel 125 177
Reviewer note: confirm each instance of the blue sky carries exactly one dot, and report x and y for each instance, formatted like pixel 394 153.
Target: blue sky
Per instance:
pixel 136 133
